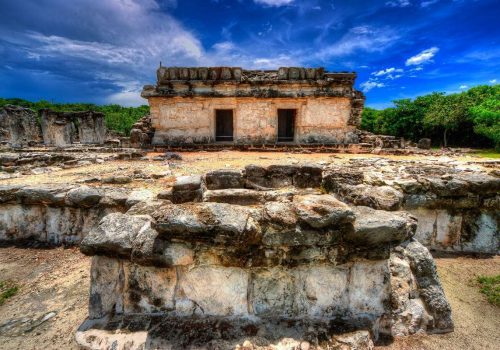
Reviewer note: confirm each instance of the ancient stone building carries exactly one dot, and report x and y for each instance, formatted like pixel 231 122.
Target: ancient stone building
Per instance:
pixel 228 104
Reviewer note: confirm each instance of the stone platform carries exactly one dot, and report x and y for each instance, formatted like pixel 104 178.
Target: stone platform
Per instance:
pixel 309 268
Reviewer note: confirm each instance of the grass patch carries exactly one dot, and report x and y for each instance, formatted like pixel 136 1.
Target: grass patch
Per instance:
pixel 490 286
pixel 488 153
pixel 7 290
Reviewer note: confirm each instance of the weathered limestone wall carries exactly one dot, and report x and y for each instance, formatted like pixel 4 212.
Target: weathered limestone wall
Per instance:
pixel 18 126
pixel 192 120
pixel 457 211
pixel 57 215
pixel 65 128
pixel 91 127
pixel 57 129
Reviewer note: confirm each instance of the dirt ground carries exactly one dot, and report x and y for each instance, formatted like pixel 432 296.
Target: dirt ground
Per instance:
pixel 57 281
pixel 201 162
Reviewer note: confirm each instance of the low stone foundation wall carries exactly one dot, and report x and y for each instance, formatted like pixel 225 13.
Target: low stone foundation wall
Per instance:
pixel 56 215
pixel 309 269
pixel 457 209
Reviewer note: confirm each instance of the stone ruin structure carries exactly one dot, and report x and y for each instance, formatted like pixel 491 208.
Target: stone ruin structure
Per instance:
pixel 228 104
pixel 227 265
pixel 65 128
pixel 18 126
pixel 329 255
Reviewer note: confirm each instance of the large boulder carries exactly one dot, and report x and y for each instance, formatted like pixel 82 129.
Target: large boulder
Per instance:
pixel 376 227
pixel 321 211
pixel 208 222
pixel 376 197
pixel 115 234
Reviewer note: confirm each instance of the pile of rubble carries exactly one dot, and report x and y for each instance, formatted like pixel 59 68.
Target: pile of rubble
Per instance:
pixel 142 132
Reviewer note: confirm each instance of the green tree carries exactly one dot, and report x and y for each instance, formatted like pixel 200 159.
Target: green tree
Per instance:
pixel 486 118
pixel 448 112
pixel 369 119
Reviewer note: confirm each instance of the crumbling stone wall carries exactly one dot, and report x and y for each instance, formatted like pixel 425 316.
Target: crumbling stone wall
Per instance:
pixel 65 128
pixel 57 215
pixel 91 127
pixel 19 126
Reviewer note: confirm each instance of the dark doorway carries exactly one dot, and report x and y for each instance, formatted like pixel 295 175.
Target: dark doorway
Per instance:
pixel 223 125
pixel 286 124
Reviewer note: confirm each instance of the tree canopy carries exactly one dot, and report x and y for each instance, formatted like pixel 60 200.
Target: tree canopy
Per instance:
pixel 469 118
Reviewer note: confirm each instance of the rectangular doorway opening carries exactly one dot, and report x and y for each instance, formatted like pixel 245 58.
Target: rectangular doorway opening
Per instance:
pixel 223 125
pixel 286 125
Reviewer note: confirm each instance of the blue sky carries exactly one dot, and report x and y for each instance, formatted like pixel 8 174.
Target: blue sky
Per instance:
pixel 103 51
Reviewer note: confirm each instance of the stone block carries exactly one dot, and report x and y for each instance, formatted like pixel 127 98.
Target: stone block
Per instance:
pixel 369 286
pixel 83 196
pixel 222 179
pixel 283 73
pixel 115 235
pixel 212 291
pixel 148 289
pixel 308 176
pixel 225 73
pixel 273 293
pixel 321 211
pixel 193 73
pixel 203 73
pixel 377 227
pixel 173 73
pixel 106 287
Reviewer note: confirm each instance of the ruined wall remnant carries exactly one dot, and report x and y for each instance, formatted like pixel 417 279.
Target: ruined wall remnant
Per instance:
pixel 65 128
pixel 457 210
pixel 142 132
pixel 19 126
pixel 91 127
pixel 184 104
pixel 56 215
pixel 58 128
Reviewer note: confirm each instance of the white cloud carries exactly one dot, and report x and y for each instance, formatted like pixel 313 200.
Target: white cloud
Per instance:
pixel 463 87
pixel 428 3
pixel 423 57
pixel 493 81
pixel 275 3
pixel 387 71
pixel 361 38
pixel 127 98
pixel 371 84
pixel 398 3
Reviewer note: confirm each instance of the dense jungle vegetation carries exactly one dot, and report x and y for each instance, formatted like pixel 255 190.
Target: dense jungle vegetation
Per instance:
pixel 470 118
pixel 117 118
